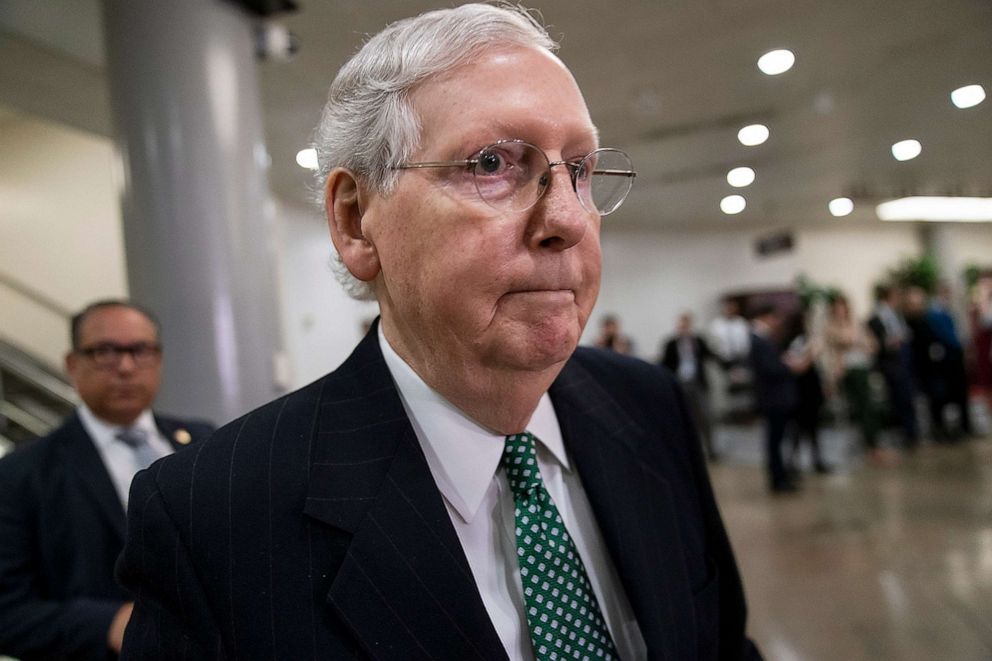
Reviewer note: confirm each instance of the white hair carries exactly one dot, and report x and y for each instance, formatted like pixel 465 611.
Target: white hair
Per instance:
pixel 369 125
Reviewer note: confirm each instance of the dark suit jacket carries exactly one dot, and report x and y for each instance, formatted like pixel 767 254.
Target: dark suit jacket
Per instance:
pixel 61 530
pixel 887 357
pixel 775 388
pixel 312 527
pixel 672 359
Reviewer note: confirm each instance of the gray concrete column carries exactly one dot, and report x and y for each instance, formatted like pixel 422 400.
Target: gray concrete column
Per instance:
pixel 198 224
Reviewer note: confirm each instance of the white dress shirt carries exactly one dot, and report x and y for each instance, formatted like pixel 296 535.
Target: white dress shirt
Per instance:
pixel 687 359
pixel 118 457
pixel 895 327
pixel 464 459
pixel 731 337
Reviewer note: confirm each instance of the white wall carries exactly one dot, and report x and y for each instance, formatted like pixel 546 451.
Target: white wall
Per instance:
pixel 650 277
pixel 60 229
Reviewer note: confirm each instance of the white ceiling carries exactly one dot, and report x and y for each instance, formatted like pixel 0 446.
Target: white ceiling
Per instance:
pixel 669 81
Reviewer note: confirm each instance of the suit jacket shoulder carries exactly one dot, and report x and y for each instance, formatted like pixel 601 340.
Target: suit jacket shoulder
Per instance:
pixel 626 423
pixel 180 432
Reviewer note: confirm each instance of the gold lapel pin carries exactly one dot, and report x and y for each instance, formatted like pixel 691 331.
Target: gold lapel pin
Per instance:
pixel 182 437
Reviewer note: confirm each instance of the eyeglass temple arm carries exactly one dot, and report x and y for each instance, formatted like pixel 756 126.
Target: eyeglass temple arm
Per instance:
pixel 434 164
pixel 575 165
pixel 616 173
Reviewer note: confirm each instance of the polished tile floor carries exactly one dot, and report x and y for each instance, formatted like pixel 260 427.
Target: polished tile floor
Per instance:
pixel 869 562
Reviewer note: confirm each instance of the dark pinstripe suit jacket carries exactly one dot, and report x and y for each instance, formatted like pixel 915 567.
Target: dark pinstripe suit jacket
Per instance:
pixel 311 528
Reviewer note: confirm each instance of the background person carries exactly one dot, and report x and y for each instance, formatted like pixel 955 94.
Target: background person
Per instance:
pixel 730 338
pixel 809 404
pixel 610 336
pixel 929 354
pixel 980 316
pixel 851 351
pixel 893 360
pixel 64 496
pixel 776 392
pixel 686 354
pixel 954 373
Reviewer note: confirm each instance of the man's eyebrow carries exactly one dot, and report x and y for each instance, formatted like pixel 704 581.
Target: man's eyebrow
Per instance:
pixel 501 129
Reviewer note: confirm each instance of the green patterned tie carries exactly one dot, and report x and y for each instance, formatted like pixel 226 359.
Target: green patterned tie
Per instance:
pixel 562 613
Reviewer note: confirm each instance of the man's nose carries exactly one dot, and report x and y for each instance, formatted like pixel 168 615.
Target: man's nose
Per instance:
pixel 560 221
pixel 126 362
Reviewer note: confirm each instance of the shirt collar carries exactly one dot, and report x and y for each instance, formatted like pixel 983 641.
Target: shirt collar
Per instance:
pixel 463 456
pixel 104 433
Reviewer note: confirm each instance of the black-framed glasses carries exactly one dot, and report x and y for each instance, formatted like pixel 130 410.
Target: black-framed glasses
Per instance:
pixel 512 175
pixel 108 354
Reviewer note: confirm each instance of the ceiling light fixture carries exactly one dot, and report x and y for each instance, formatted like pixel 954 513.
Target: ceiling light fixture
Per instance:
pixel 841 206
pixel 307 158
pixel 938 209
pixel 968 96
pixel 753 134
pixel 775 62
pixel 740 177
pixel 905 150
pixel 732 204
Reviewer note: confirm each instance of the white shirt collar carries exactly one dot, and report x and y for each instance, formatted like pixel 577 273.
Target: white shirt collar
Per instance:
pixel 104 433
pixel 463 456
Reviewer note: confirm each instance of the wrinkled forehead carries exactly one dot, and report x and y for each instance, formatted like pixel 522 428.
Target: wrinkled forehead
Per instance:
pixel 512 91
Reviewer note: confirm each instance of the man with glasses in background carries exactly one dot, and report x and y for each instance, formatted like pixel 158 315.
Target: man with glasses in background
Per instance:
pixel 63 498
pixel 467 484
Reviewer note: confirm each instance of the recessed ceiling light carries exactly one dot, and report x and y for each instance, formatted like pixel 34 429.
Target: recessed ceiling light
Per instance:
pixel 740 177
pixel 732 204
pixel 307 158
pixel 905 150
pixel 775 62
pixel 968 96
pixel 948 209
pixel 752 135
pixel 841 206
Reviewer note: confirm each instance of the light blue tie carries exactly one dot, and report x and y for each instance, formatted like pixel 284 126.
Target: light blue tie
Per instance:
pixel 137 439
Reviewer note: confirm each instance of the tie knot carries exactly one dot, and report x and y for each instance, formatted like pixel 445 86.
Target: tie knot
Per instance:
pixel 133 437
pixel 520 463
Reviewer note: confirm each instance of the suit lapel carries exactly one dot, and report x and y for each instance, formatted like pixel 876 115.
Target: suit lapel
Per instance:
pixel 169 430
pixel 404 587
pixel 88 470
pixel 633 506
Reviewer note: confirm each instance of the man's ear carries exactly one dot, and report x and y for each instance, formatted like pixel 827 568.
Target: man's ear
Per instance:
pixel 71 362
pixel 344 220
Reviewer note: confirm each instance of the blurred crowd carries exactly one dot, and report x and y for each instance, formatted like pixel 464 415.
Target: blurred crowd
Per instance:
pixel 911 370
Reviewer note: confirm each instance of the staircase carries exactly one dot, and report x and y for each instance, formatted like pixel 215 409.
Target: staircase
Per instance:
pixel 33 398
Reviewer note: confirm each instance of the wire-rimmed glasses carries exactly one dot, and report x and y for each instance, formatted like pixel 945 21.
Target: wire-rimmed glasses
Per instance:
pixel 512 175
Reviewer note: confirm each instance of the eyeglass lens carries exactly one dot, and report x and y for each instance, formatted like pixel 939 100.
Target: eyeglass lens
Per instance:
pixel 514 175
pixel 611 179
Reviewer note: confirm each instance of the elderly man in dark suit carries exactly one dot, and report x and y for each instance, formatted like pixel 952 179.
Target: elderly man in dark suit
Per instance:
pixel 64 496
pixel 467 485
